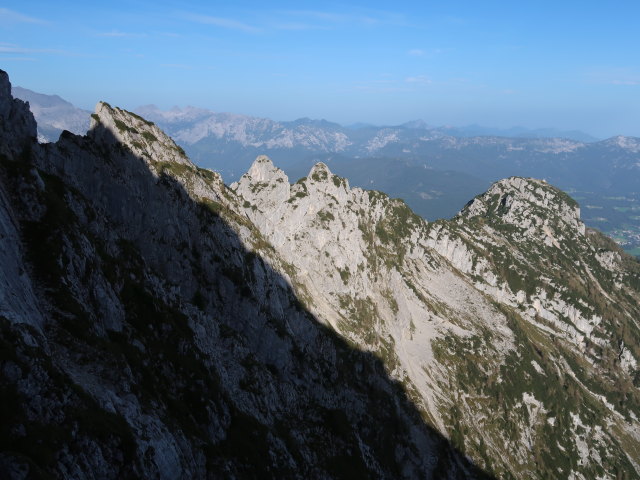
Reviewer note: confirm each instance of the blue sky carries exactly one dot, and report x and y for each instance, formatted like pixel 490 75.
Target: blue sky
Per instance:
pixel 571 65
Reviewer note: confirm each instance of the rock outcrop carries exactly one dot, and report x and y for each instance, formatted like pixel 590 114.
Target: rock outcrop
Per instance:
pixel 18 128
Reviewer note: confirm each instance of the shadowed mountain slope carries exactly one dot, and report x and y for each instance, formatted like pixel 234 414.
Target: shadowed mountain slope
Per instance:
pixel 149 330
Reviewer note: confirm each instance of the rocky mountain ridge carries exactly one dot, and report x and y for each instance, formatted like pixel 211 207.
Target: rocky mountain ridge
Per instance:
pixel 513 280
pixel 435 169
pixel 160 323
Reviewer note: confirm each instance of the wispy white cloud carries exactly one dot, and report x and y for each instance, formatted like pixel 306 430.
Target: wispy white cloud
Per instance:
pixel 295 20
pixel 615 76
pixel 367 18
pixel 11 16
pixel 298 26
pixel 10 48
pixel 427 52
pixel 379 88
pixel 17 59
pixel 13 48
pixel 419 79
pixel 119 34
pixel 319 15
pixel 222 22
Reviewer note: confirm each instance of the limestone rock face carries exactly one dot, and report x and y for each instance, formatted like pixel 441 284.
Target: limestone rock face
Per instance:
pixel 513 284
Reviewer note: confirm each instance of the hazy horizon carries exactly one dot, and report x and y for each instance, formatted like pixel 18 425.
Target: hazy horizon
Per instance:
pixel 570 66
pixel 517 130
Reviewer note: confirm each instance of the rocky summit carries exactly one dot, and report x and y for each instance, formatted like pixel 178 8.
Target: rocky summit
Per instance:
pixel 157 323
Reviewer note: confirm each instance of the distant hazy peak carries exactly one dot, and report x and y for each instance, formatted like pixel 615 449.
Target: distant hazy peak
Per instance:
pixel 631 144
pixel 53 114
pixel 40 99
pixel 175 114
pixel 417 125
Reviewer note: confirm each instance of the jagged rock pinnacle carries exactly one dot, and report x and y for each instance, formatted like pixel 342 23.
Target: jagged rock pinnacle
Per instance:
pixel 264 186
pixel 263 170
pixel 110 125
pixel 17 125
pixel 319 172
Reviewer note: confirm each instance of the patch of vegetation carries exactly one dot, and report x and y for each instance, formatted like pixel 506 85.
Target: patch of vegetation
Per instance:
pixel 393 232
pixel 299 194
pixel 258 186
pixel 499 391
pixel 181 151
pixel 123 127
pixel 344 274
pixel 138 117
pixel 206 174
pixel 212 206
pixel 393 304
pixel 325 216
pixel 174 168
pixel 149 137
pixel 319 174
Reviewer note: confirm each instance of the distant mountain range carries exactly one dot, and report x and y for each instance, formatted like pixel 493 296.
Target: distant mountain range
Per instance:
pixel 519 132
pixel 231 141
pixel 435 169
pixel 54 114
